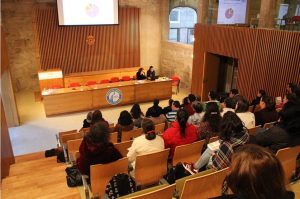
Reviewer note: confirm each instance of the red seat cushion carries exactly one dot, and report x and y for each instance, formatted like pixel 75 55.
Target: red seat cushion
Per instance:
pixel 175 78
pixel 74 84
pixel 104 81
pixel 125 78
pixel 89 83
pixel 114 79
pixel 56 86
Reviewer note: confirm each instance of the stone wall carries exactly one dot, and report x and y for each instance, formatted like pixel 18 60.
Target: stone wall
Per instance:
pixel 17 22
pixel 177 59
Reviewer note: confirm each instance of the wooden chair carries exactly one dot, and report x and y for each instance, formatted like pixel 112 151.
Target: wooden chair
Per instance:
pixel 73 147
pixel 150 168
pixel 60 134
pixel 160 128
pixel 162 191
pixel 269 125
pixel 188 152
pixel 123 147
pixel 253 131
pixel 207 186
pixel 129 135
pixel 102 173
pixel 85 130
pixel 213 139
pixel 180 182
pixel 114 137
pixel 72 136
pixel 176 83
pixel 287 157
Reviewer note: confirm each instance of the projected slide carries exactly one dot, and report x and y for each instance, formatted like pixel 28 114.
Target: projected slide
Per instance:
pixel 87 12
pixel 232 11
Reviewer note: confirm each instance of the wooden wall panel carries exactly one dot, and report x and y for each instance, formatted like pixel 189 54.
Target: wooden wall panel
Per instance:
pixel 65 47
pixel 267 59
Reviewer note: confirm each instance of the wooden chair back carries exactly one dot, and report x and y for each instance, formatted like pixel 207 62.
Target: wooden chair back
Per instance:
pixel 165 192
pixel 114 137
pixel 150 168
pixel 85 130
pixel 269 125
pixel 253 131
pixel 129 135
pixel 72 136
pixel 73 146
pixel 287 157
pixel 201 187
pixel 102 173
pixel 160 128
pixel 213 139
pixel 65 133
pixel 188 152
pixel 123 147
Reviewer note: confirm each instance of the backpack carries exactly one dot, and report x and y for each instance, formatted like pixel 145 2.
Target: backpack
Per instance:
pixel 73 176
pixel 120 184
pixel 176 173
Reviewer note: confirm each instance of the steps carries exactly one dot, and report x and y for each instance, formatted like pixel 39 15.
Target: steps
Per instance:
pixel 37 178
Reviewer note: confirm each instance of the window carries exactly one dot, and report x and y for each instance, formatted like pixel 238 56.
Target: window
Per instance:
pixel 182 22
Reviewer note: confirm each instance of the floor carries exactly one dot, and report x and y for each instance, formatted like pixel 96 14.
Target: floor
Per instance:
pixel 37 133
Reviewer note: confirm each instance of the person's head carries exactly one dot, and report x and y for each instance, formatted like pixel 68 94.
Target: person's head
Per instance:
pixel 256 173
pixel 136 111
pixel 230 103
pixel 289 97
pixel 290 117
pixel 182 118
pixel 212 95
pixel 171 102
pixel 267 103
pixel 198 107
pixel 291 87
pixel 151 68
pixel 140 70
pixel 175 105
pixel 192 98
pixel 242 106
pixel 186 101
pixel 212 116
pixel 96 117
pixel 155 102
pixel 261 93
pixel 231 125
pixel 98 134
pixel 148 129
pixel 89 117
pixel 233 92
pixel 125 118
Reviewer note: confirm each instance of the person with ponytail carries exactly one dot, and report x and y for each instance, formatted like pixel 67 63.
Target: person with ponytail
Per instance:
pixel 180 132
pixel 147 143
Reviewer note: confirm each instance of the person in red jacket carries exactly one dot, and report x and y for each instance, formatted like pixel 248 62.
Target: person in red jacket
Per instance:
pixel 95 148
pixel 180 132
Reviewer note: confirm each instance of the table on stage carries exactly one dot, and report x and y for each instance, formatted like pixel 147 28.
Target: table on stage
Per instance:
pixel 84 98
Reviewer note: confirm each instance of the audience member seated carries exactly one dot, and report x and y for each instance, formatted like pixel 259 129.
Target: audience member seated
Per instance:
pixel 255 173
pixel 151 73
pixel 261 93
pixel 87 122
pixel 171 116
pixel 197 117
pixel 167 109
pixel 209 127
pixel 242 110
pixel 192 98
pixel 229 105
pixel 179 133
pixel 137 115
pixel 125 123
pixel 212 97
pixel 234 93
pixel 95 148
pixel 187 105
pixel 267 113
pixel 286 133
pixel 154 108
pixel 233 134
pixel 140 75
pixel 97 118
pixel 147 143
pixel 157 117
pixel 291 87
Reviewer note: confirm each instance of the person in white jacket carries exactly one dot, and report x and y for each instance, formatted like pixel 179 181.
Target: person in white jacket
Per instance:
pixel 147 143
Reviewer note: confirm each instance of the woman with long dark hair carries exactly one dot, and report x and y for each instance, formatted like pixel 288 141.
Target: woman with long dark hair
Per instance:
pixel 125 123
pixel 267 112
pixel 137 115
pixel 140 75
pixel 180 132
pixel 149 142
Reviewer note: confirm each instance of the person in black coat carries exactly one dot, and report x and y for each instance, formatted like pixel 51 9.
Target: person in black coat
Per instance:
pixel 140 75
pixel 151 73
pixel 267 113
pixel 155 109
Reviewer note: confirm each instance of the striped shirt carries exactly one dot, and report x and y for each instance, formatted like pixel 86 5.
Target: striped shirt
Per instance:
pixel 171 116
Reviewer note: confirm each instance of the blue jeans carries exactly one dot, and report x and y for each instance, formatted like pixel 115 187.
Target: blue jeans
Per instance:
pixel 204 159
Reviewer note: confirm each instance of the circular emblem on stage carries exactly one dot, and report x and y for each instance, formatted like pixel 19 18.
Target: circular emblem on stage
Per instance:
pixel 90 40
pixel 114 96
pixel 229 13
